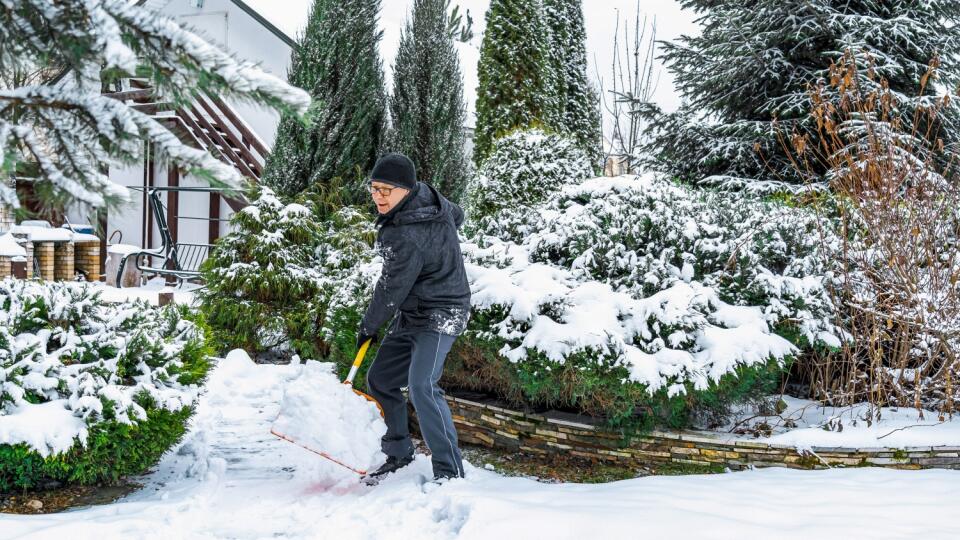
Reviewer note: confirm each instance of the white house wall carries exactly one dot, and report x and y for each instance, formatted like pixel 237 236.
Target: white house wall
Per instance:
pixel 224 23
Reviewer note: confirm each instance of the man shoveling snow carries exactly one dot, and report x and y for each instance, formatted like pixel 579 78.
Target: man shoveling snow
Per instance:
pixel 423 283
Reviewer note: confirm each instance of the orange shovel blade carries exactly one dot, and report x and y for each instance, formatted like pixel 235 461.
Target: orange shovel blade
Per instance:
pixel 366 397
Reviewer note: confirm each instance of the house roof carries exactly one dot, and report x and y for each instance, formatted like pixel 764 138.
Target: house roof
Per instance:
pixel 289 40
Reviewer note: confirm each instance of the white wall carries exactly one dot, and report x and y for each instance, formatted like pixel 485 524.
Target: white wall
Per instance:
pixel 223 23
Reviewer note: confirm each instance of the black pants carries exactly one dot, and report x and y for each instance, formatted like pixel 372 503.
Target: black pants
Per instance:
pixel 414 358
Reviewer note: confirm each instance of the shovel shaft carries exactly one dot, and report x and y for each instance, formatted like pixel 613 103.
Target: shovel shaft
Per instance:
pixel 357 361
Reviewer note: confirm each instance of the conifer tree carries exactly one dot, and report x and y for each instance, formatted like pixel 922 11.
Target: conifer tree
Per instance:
pixel 745 78
pixel 578 107
pixel 338 62
pixel 516 84
pixel 427 106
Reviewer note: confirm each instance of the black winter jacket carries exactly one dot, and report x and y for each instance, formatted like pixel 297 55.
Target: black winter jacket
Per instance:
pixel 423 275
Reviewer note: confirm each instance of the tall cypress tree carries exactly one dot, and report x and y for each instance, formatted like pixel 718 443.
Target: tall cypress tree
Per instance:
pixel 427 104
pixel 578 107
pixel 745 78
pixel 338 62
pixel 516 85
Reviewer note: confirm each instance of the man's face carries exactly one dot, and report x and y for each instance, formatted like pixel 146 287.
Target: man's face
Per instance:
pixel 386 196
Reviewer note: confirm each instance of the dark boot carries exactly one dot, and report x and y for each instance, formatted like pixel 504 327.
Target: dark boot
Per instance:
pixel 392 464
pixel 443 477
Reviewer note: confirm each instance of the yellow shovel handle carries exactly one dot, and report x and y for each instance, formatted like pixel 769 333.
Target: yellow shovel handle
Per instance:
pixel 357 361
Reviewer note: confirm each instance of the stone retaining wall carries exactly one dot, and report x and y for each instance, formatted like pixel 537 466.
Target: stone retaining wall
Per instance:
pixel 493 426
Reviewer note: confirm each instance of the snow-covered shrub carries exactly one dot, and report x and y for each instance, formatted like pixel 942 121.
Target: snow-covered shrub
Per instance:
pixel 91 391
pixel 274 283
pixel 645 235
pixel 572 341
pixel 526 167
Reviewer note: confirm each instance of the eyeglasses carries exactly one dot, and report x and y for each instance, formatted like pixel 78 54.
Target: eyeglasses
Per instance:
pixel 383 191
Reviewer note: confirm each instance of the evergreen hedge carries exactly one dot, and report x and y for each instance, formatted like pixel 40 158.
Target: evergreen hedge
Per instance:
pixel 130 370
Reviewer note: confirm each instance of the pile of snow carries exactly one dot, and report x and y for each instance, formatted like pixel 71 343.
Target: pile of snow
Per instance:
pixel 45 233
pixel 66 357
pixel 122 249
pixel 321 413
pixel 38 233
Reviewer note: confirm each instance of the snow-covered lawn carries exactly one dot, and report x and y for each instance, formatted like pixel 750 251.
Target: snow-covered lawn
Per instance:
pixel 232 479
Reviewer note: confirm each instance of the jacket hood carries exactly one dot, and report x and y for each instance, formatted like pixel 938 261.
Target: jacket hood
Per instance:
pixel 423 203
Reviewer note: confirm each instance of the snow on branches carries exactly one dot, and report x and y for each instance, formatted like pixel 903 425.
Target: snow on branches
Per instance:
pixel 65 133
pixel 679 284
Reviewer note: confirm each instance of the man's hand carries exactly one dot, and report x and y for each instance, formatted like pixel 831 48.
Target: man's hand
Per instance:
pixel 362 338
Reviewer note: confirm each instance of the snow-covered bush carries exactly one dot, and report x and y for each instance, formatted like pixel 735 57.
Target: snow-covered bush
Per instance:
pixel 636 292
pixel 526 167
pixel 91 391
pixel 274 283
pixel 644 235
pixel 261 284
pixel 576 342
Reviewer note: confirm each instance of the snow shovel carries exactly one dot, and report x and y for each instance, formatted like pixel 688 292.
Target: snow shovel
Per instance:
pixel 349 382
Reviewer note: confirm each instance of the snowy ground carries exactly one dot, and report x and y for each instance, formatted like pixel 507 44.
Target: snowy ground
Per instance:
pixel 232 479
pixel 804 424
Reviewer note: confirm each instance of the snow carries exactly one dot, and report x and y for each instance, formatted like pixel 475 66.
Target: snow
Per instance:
pixel 855 426
pixel 122 249
pixel 231 479
pixel 39 233
pixel 85 237
pixel 49 428
pixel 10 248
pixel 148 293
pixel 322 413
pixel 43 234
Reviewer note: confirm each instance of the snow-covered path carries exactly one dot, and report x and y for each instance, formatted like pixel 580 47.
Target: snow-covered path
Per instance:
pixel 232 479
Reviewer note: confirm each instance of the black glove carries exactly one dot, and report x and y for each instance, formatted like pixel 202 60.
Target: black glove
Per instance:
pixel 362 338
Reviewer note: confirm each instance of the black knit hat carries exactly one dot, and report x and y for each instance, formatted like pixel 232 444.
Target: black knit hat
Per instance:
pixel 395 169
